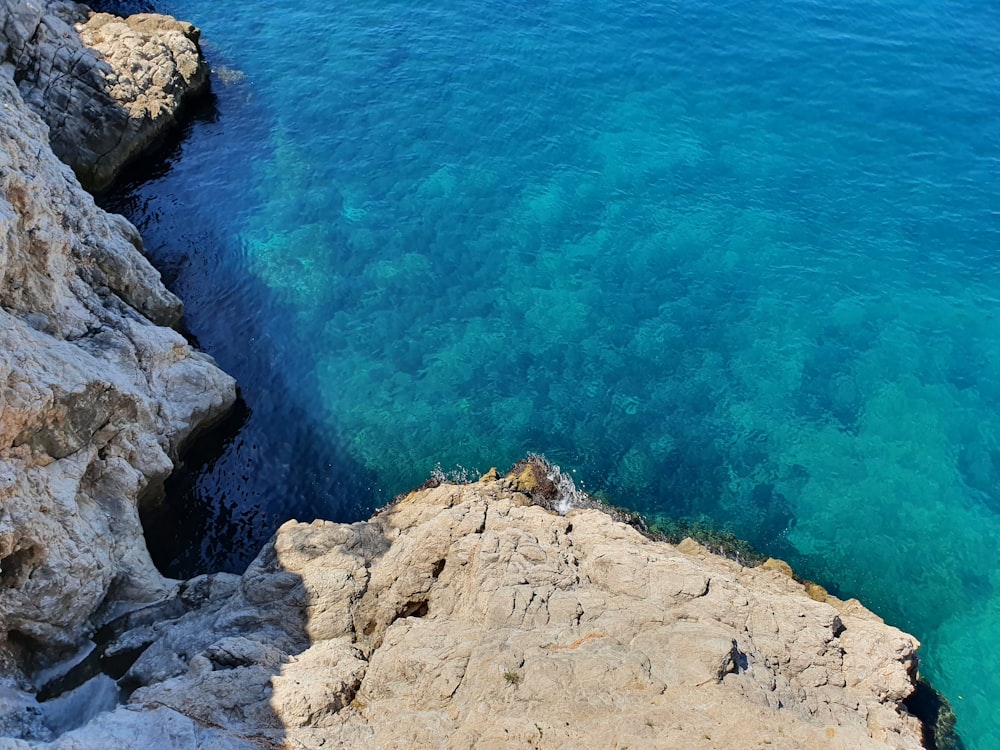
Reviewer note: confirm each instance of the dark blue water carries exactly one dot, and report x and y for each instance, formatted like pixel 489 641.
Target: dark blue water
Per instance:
pixel 733 260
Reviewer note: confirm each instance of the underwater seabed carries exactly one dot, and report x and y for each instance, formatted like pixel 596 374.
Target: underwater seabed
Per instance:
pixel 726 262
pixel 826 434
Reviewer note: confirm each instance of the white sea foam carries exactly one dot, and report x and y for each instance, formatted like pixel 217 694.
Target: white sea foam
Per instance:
pixel 568 495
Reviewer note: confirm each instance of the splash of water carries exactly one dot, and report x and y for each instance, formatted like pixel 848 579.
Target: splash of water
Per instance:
pixel 568 495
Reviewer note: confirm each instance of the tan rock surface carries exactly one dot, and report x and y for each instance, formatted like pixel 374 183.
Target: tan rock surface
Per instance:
pixel 106 86
pixel 464 617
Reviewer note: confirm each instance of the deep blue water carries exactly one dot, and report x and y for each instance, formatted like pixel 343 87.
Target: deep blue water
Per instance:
pixel 732 260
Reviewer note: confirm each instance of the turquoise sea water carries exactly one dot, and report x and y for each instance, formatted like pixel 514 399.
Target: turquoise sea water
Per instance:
pixel 736 261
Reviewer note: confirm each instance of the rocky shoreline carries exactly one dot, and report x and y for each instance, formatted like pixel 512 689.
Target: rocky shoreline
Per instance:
pixel 98 393
pixel 107 87
pixel 500 613
pixel 476 616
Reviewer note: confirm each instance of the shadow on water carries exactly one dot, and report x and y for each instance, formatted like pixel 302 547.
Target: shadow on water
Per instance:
pixel 172 526
pixel 123 7
pixel 269 461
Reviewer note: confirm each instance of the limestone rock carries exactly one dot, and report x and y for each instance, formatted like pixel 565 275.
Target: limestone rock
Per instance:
pixel 96 394
pixel 106 86
pixel 465 616
pixel 158 728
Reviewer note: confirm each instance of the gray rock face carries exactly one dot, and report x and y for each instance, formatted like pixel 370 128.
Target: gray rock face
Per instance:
pixel 465 617
pixel 106 86
pixel 96 394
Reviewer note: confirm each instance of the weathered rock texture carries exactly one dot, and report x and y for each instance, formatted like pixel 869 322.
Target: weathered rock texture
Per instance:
pixel 465 617
pixel 106 86
pixel 96 392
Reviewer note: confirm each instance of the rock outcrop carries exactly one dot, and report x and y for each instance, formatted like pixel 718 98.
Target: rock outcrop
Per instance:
pixel 465 616
pixel 106 86
pixel 97 392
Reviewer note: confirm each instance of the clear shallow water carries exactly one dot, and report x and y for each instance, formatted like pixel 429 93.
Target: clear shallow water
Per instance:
pixel 732 260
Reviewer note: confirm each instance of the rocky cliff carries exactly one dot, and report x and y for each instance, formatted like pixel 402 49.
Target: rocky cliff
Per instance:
pixel 97 392
pixel 470 616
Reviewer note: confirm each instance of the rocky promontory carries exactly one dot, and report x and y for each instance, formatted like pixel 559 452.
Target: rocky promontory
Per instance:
pixel 106 86
pixel 508 612
pixel 475 616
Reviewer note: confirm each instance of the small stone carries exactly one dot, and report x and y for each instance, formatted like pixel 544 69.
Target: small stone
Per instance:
pixel 526 480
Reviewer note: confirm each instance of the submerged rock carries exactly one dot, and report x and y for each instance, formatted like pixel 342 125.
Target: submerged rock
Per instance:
pixel 465 616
